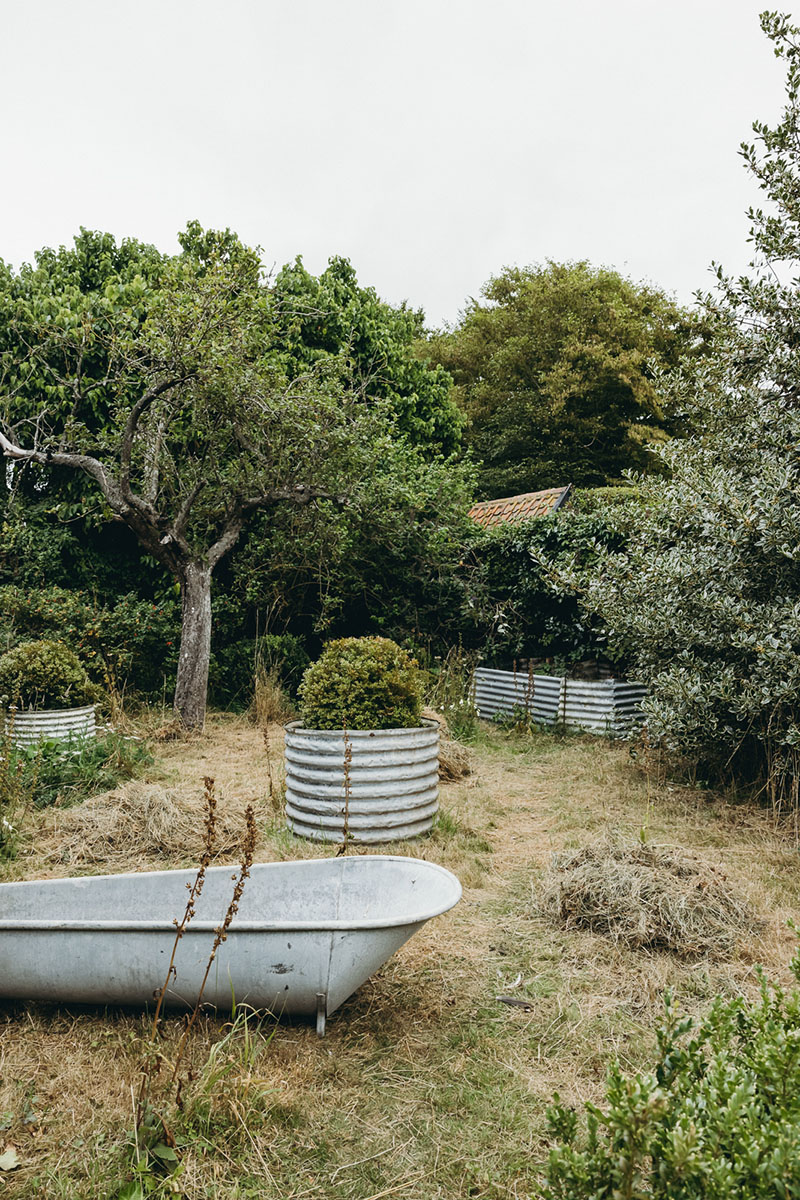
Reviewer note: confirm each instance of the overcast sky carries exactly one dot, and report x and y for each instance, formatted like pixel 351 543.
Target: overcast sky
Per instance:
pixel 431 143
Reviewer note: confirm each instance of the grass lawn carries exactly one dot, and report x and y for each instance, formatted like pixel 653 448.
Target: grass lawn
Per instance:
pixel 425 1086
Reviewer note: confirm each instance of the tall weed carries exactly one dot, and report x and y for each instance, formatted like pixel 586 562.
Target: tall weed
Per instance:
pixel 452 689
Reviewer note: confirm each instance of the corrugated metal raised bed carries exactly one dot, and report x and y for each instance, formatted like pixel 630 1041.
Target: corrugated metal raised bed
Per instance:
pixel 31 726
pixel 605 706
pixel 387 791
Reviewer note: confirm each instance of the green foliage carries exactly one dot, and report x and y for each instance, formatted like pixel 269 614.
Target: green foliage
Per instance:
pixel 706 599
pixel 132 645
pixel 362 683
pixel 526 605
pixel 332 319
pixel 66 772
pixel 555 371
pixel 718 1116
pixel 235 664
pixel 44 675
pixel 388 562
pixel 14 796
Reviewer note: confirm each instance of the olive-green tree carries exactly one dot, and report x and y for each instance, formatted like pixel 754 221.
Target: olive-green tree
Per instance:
pixel 706 598
pixel 554 368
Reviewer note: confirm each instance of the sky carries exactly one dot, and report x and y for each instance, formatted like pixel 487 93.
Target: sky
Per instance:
pixel 430 142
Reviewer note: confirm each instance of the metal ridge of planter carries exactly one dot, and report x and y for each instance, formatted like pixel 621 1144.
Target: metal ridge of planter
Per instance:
pixel 602 706
pixel 393 789
pixel 29 726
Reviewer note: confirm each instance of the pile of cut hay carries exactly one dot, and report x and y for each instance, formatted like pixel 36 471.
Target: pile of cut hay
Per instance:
pixel 454 759
pixel 141 821
pixel 649 897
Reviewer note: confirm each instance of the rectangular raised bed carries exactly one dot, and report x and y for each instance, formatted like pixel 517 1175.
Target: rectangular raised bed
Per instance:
pixel 605 706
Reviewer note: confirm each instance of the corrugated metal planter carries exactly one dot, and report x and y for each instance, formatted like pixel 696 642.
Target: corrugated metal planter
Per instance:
pixel 389 792
pixel 605 706
pixel 31 726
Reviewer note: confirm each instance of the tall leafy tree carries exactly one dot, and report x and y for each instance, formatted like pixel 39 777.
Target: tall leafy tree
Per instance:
pixel 177 407
pixel 706 599
pixel 332 319
pixel 555 368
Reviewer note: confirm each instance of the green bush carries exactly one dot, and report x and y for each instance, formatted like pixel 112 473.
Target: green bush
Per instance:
pixel 133 643
pixel 44 675
pixel 362 683
pixel 718 1117
pixel 525 604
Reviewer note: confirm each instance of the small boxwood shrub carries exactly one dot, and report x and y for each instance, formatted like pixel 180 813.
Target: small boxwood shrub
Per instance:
pixel 362 683
pixel 717 1118
pixel 44 675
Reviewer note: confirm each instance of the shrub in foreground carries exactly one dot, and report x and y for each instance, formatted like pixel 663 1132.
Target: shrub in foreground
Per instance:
pixel 717 1117
pixel 362 683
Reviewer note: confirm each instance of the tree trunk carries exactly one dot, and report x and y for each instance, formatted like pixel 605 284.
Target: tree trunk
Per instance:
pixel 192 683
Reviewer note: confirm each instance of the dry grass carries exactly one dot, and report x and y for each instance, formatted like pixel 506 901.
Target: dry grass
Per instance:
pixel 650 897
pixel 139 823
pixel 270 704
pixel 454 759
pixel 425 1087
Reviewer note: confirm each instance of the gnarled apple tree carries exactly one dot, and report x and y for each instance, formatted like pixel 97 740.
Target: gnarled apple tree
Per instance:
pixel 178 412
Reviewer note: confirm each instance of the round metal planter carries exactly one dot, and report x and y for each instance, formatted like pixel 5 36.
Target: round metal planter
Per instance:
pixel 392 787
pixel 27 727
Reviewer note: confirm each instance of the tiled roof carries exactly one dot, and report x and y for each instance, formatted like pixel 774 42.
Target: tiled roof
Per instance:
pixel 519 508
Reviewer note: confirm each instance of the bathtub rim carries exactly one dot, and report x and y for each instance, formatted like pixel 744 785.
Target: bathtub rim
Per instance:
pixel 416 917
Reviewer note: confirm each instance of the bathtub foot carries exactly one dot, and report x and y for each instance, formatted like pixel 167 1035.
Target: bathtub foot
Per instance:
pixel 321 1013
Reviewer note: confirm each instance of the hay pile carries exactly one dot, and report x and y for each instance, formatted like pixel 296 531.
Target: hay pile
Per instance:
pixel 649 897
pixel 454 759
pixel 141 821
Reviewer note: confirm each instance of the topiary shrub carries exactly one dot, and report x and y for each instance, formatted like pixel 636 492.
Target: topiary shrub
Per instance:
pixel 362 683
pixel 44 675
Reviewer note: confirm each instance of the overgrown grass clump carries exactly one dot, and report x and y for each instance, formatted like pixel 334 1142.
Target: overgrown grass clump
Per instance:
pixel 649 897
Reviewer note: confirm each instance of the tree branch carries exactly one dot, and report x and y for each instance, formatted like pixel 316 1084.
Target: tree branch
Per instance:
pixel 139 517
pixel 81 462
pixel 131 425
pixel 300 494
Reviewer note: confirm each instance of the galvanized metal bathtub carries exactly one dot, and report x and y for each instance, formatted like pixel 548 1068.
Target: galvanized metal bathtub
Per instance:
pixel 307 933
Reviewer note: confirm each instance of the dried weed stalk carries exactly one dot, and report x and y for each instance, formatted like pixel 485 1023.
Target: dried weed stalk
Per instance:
pixel 221 933
pixel 348 788
pixel 155 1146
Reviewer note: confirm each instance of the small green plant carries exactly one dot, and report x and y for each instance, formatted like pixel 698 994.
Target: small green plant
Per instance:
pixel 68 771
pixel 718 1116
pixel 362 683
pixel 44 675
pixel 14 796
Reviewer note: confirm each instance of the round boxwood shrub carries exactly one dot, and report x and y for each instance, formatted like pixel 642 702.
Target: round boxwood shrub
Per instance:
pixel 362 683
pixel 44 675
